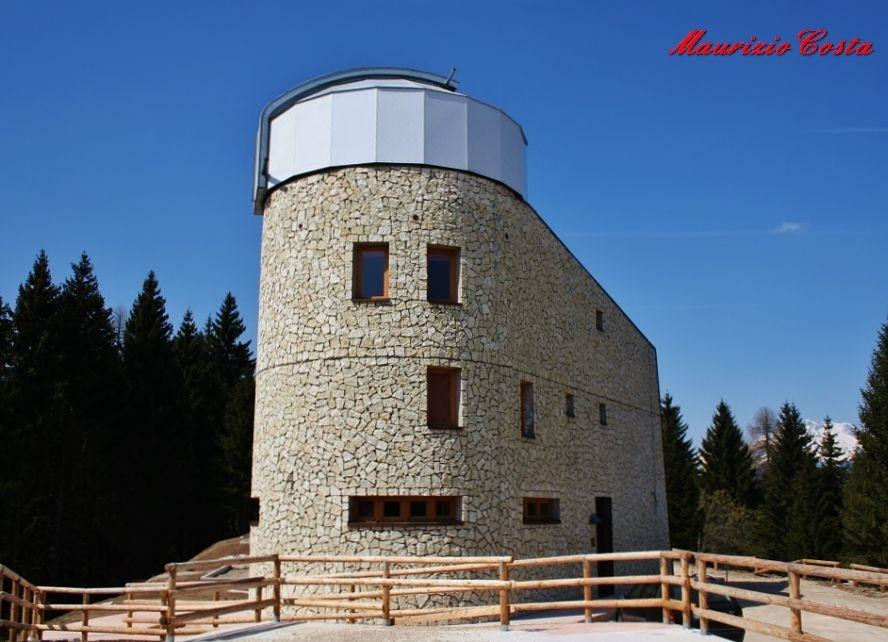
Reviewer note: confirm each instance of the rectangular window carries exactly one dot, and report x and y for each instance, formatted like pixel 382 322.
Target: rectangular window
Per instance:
pixel 407 509
pixel 443 274
pixel 569 405
pixel 602 414
pixel 541 510
pixel 443 397
pixel 599 320
pixel 371 272
pixel 527 409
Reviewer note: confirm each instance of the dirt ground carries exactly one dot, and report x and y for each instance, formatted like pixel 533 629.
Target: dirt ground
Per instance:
pixel 862 598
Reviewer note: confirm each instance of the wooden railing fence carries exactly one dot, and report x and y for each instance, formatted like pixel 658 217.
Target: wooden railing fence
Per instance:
pixel 192 601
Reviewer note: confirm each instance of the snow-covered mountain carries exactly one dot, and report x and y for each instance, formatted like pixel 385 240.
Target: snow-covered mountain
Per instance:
pixel 845 438
pixel 844 430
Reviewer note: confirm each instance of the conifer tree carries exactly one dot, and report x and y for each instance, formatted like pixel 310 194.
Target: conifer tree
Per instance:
pixel 865 517
pixel 725 460
pixel 234 366
pixel 831 478
pixel 89 394
pixel 682 490
pixel 787 509
pixel 30 442
pixel 154 457
pixel 200 389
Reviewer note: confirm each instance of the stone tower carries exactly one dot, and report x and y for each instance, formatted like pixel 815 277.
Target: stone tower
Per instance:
pixel 437 373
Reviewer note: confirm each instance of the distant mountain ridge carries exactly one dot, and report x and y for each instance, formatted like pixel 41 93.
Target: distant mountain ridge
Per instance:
pixel 845 434
pixel 845 438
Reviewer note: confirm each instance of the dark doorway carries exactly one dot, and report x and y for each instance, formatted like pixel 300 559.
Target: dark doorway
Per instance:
pixel 604 534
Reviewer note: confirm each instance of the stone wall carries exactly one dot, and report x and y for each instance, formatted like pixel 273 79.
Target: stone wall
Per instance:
pixel 341 400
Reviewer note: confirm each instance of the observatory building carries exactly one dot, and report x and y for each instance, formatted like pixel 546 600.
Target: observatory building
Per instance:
pixel 437 374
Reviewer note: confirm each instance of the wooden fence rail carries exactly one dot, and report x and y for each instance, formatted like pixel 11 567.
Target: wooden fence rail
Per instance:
pixel 165 609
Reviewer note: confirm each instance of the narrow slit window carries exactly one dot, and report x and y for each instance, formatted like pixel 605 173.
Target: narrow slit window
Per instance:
pixel 602 414
pixel 527 410
pixel 443 274
pixel 371 272
pixel 443 397
pixel 599 320
pixel 541 510
pixel 569 405
pixel 393 510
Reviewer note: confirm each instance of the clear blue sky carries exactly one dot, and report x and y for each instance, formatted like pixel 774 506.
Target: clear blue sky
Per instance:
pixel 128 131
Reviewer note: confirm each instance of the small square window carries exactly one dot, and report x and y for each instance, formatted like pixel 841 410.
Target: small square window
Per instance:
pixel 602 414
pixel 391 510
pixel 371 273
pixel 527 424
pixel 541 510
pixel 443 274
pixel 443 397
pixel 599 320
pixel 418 509
pixel 569 405
pixel 365 510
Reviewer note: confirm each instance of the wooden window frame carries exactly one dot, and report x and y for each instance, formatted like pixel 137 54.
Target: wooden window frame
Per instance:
pixel 455 378
pixel 569 405
pixel 453 258
pixel 524 387
pixel 358 249
pixel 602 413
pixel 452 504
pixel 533 505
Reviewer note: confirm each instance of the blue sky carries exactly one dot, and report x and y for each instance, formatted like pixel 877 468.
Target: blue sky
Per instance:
pixel 735 207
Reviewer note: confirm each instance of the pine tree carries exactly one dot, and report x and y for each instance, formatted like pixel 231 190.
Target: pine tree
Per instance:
pixel 231 356
pixel 725 460
pixel 200 389
pixel 865 517
pixel 788 480
pixel 682 490
pixel 30 440
pixel 234 367
pixel 235 455
pixel 827 539
pixel 154 455
pixel 90 394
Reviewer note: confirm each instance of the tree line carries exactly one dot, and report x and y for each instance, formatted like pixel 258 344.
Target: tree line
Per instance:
pixel 125 444
pixel 793 498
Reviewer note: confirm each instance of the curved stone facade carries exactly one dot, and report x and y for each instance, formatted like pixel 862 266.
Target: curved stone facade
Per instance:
pixel 341 385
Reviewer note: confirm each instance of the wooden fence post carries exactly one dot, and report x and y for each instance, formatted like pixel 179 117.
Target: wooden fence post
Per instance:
pixel 703 598
pixel 351 620
pixel 13 609
pixel 39 614
pixel 277 588
pixel 129 614
pixel 685 591
pixel 587 590
pixel 386 595
pixel 665 570
pixel 215 617
pixel 84 618
pixel 171 605
pixel 505 608
pixel 257 613
pixel 795 615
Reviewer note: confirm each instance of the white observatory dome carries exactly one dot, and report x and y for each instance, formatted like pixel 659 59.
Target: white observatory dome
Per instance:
pixel 384 115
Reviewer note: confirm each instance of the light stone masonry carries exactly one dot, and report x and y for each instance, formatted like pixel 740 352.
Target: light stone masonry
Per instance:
pixel 341 385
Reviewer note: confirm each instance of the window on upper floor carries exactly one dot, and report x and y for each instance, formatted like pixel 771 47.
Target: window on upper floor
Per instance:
pixel 602 414
pixel 371 272
pixel 403 509
pixel 527 423
pixel 443 397
pixel 569 405
pixel 541 510
pixel 599 320
pixel 443 274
